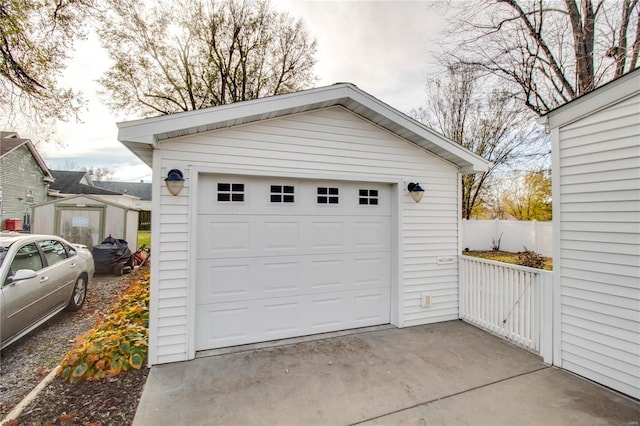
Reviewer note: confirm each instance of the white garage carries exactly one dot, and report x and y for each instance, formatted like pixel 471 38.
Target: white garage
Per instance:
pixel 295 219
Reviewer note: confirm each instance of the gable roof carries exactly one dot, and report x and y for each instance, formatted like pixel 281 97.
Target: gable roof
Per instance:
pixel 68 182
pixel 138 189
pixel 623 87
pixel 10 141
pixel 143 136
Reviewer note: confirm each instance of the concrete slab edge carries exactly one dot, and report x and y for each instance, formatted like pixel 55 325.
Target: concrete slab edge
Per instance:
pixel 290 341
pixel 17 410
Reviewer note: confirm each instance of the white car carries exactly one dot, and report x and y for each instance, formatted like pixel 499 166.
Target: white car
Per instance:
pixel 40 275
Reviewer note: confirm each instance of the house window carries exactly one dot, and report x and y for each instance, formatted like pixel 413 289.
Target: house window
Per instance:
pixel 29 197
pixel 282 194
pixel 368 197
pixel 230 192
pixel 328 195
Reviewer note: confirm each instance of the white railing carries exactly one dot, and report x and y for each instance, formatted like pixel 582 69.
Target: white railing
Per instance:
pixel 513 302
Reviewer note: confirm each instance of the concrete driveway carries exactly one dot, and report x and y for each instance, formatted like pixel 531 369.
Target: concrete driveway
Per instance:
pixel 446 373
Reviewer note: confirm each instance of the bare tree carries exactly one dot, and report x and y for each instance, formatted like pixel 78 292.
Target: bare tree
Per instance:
pixel 192 54
pixel 549 51
pixel 97 173
pixel 35 38
pixel 492 124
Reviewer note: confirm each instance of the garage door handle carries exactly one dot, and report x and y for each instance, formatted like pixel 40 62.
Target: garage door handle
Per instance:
pixel 44 279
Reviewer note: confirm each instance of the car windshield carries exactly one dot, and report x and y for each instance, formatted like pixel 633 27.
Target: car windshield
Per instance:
pixel 3 253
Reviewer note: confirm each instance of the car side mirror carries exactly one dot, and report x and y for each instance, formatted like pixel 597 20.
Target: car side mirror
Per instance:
pixel 21 275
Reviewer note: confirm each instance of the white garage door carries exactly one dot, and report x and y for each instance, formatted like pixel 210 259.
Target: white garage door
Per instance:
pixel 279 258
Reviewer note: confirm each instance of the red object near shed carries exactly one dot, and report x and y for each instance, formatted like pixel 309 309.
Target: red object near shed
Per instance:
pixel 13 225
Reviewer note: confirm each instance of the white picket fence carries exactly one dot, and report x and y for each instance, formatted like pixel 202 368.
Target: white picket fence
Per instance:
pixel 514 235
pixel 510 301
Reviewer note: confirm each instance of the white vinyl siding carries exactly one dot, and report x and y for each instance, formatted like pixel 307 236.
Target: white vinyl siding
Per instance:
pixel 599 217
pixel 331 144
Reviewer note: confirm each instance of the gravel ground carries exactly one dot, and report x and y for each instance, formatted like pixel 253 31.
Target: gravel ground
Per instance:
pixel 25 363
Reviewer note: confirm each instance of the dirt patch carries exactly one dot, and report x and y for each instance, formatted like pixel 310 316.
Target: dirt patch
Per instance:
pixel 112 401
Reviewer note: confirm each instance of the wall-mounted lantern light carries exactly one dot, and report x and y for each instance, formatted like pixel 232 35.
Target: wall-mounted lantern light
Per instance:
pixel 416 191
pixel 174 181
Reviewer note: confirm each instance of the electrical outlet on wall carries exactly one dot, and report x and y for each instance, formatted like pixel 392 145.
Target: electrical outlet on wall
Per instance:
pixel 425 300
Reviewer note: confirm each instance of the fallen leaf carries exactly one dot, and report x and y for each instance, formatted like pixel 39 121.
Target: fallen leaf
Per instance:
pixel 64 418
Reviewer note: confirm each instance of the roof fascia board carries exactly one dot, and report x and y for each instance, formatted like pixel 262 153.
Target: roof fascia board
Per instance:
pixel 39 160
pixel 615 91
pixel 147 131
pixel 420 129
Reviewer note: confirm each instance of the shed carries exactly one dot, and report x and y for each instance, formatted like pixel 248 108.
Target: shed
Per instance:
pixel 295 219
pixel 596 225
pixel 86 219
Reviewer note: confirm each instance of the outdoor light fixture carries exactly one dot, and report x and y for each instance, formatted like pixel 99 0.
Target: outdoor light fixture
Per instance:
pixel 174 181
pixel 416 191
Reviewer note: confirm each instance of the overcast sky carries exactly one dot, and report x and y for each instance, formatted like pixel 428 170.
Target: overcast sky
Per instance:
pixel 383 47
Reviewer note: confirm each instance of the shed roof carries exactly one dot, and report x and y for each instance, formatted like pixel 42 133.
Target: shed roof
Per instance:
pixel 98 201
pixel 617 90
pixel 142 136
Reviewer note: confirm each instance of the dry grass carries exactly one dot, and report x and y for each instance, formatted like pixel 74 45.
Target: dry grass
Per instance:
pixel 506 257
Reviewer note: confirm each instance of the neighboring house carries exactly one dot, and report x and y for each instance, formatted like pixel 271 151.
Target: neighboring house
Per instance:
pixel 140 190
pixel 24 179
pixel 596 218
pixel 295 219
pixel 78 182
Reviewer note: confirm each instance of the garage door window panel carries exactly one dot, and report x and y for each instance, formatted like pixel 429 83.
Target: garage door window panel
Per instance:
pixel 282 194
pixel 328 195
pixel 231 192
pixel 368 197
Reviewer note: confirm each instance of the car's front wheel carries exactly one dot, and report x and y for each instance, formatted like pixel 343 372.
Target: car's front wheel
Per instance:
pixel 79 294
